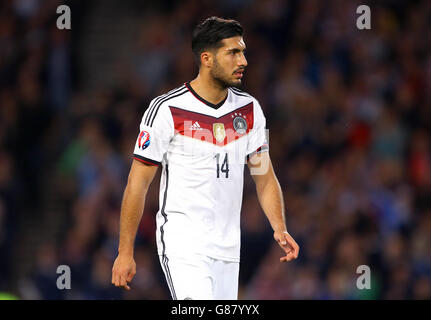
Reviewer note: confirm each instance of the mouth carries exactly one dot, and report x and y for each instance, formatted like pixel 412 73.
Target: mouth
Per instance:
pixel 239 73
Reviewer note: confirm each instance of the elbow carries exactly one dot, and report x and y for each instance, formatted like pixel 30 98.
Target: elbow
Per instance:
pixel 268 181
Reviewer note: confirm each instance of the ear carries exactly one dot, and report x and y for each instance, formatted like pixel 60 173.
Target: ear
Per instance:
pixel 207 59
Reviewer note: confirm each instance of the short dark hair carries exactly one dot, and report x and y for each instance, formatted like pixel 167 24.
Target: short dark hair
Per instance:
pixel 210 33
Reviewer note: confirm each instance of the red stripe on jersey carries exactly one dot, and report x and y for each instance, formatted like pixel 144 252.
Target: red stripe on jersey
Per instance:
pixel 203 127
pixel 146 162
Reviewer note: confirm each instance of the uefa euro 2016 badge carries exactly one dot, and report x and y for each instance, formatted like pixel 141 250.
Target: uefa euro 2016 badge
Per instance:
pixel 240 124
pixel 143 140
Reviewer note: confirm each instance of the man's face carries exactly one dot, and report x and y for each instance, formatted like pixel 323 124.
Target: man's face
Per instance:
pixel 229 62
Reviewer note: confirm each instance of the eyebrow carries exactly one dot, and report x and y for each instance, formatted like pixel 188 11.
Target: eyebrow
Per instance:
pixel 236 49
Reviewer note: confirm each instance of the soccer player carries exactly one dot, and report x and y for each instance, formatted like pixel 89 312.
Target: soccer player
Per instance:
pixel 202 134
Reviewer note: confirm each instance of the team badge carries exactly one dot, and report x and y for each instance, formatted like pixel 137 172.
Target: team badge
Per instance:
pixel 143 140
pixel 219 132
pixel 240 125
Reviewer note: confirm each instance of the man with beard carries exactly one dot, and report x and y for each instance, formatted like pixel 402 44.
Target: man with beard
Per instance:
pixel 201 134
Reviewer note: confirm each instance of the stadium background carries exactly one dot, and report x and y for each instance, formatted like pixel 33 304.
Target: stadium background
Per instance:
pixel 349 114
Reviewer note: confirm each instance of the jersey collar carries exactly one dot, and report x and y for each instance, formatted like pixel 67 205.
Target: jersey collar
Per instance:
pixel 212 105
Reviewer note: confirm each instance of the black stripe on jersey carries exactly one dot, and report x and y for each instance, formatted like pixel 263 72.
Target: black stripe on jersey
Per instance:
pixel 259 150
pixel 159 99
pixel 156 108
pixel 163 212
pixel 239 92
pixel 146 160
pixel 169 278
pixel 164 257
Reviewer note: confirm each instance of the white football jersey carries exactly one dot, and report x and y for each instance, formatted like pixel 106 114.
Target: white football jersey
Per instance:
pixel 203 149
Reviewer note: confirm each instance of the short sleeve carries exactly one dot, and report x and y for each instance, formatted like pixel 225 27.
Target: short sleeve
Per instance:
pixel 257 138
pixel 155 134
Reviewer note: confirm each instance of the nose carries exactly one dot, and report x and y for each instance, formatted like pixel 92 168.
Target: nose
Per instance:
pixel 243 61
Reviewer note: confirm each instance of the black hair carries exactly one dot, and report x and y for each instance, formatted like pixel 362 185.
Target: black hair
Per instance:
pixel 210 33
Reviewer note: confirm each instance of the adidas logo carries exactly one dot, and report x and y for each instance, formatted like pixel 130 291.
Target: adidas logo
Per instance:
pixel 195 126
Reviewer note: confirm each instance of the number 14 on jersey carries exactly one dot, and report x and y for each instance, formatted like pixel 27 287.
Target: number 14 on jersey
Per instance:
pixel 224 166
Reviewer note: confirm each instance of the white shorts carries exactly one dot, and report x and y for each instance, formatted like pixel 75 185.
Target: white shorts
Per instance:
pixel 200 278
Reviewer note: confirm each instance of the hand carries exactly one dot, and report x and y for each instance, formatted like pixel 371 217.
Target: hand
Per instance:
pixel 288 244
pixel 123 271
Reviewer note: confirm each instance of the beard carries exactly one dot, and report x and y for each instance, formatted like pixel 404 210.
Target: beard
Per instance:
pixel 221 78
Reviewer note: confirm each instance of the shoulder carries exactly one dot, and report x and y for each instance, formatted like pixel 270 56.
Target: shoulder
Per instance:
pixel 239 93
pixel 243 96
pixel 158 106
pixel 167 97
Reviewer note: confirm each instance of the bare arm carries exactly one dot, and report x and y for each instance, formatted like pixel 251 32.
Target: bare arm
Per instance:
pixel 140 178
pixel 271 200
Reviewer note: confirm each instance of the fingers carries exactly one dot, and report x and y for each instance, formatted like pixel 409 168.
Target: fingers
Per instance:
pixel 119 280
pixel 115 279
pixel 122 278
pixel 282 243
pixel 130 275
pixel 289 245
pixel 113 276
pixel 129 278
pixel 288 257
pixel 286 244
pixel 290 254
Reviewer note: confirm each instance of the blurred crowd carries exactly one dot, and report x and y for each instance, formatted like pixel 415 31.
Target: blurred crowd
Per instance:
pixel 349 119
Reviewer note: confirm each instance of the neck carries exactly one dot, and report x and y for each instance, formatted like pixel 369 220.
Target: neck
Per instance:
pixel 209 89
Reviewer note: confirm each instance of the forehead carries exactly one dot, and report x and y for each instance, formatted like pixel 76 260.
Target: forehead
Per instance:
pixel 234 42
